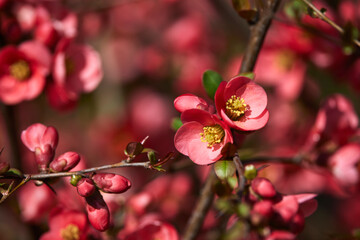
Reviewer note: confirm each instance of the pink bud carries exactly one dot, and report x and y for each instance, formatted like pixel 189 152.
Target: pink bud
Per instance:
pixel 65 162
pixel 263 187
pixel 98 212
pixel 263 208
pixel 85 187
pixel 42 141
pixel 111 183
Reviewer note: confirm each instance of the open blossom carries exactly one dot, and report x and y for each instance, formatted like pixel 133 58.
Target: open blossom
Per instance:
pixel 66 224
pixel 41 140
pixel 344 164
pixel 202 136
pixel 336 121
pixel 23 71
pixel 241 103
pixel 76 69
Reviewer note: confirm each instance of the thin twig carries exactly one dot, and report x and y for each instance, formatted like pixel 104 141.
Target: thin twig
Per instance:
pixel 202 207
pixel 323 17
pixel 9 115
pixel 41 176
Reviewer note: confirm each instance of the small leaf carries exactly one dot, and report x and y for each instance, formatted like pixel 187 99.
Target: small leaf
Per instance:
pixel 211 81
pixel 176 123
pixel 133 149
pixel 224 169
pixel 152 157
pixel 75 179
pixel 14 171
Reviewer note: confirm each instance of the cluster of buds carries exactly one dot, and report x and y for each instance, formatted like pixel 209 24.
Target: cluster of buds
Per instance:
pixel 267 213
pixel 42 141
pixel 97 209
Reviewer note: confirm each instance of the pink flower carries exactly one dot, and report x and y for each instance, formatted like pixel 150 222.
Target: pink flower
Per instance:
pixel 154 230
pixel 35 201
pixel 202 136
pixel 23 71
pixel 76 69
pixel 336 121
pixel 241 103
pixel 66 224
pixel 344 164
pixel 42 141
pixel 111 183
pixel 65 162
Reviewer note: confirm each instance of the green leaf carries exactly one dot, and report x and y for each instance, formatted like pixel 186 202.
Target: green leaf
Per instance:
pixel 152 157
pixel 14 171
pixel 211 81
pixel 75 179
pixel 224 169
pixel 176 123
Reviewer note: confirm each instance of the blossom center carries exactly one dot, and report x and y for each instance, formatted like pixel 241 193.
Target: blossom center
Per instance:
pixel 212 135
pixel 69 66
pixel 71 232
pixel 285 60
pixel 20 70
pixel 235 107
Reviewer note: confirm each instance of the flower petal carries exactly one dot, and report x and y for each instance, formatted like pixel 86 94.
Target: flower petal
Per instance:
pixel 255 97
pixel 251 124
pixel 185 134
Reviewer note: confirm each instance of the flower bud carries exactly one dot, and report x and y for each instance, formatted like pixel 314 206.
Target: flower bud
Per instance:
pixel 263 187
pixel 42 141
pixel 111 183
pixel 65 162
pixel 85 187
pixel 264 208
pixel 98 211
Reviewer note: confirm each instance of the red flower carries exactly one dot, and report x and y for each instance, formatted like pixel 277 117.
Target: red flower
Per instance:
pixel 202 136
pixel 66 224
pixel 77 69
pixel 98 211
pixel 241 103
pixel 23 71
pixel 154 230
pixel 42 141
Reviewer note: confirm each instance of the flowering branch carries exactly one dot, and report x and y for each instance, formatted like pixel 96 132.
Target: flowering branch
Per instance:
pixel 323 17
pixel 257 36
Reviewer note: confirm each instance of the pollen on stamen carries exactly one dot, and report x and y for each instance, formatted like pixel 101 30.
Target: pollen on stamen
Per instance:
pixel 212 135
pixel 71 232
pixel 235 107
pixel 20 70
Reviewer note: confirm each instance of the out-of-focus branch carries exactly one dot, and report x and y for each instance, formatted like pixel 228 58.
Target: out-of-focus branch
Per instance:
pixel 323 17
pixel 11 129
pixel 257 35
pixel 202 207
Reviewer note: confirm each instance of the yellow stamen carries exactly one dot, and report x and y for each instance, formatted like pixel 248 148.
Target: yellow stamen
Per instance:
pixel 71 232
pixel 235 107
pixel 212 135
pixel 285 60
pixel 20 70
